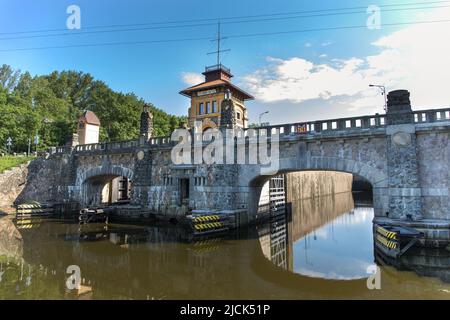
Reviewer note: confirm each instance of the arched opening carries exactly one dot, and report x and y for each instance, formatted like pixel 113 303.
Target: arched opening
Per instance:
pixel 207 133
pixel 362 191
pixel 107 190
pixel 319 222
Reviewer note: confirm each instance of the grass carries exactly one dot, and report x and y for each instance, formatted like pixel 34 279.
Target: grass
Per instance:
pixel 9 162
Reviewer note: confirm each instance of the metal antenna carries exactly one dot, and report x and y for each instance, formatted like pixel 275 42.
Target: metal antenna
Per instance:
pixel 218 39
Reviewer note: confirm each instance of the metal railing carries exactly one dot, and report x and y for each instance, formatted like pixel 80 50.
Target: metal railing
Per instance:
pixel 217 67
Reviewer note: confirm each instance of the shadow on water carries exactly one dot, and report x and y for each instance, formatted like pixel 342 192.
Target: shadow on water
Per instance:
pixel 119 261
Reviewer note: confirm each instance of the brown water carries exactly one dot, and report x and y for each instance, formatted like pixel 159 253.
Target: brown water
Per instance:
pixel 322 250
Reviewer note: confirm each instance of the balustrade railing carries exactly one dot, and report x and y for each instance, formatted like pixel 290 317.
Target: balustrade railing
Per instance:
pixel 107 146
pixel 353 124
pixel 323 126
pixel 431 115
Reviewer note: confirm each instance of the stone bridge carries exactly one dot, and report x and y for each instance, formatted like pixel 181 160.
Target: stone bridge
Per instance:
pixel 403 154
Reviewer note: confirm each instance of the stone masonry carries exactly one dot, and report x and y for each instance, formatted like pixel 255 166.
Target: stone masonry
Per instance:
pixel 403 154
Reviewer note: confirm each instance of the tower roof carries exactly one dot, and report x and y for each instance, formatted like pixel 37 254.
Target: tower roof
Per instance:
pixel 216 76
pixel 89 117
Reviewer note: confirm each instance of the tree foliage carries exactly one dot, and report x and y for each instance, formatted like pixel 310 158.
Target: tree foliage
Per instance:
pixel 49 106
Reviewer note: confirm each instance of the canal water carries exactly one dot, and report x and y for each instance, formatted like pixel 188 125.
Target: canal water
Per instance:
pixel 323 248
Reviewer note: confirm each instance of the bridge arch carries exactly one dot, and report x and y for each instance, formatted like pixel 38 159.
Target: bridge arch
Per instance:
pixel 96 184
pixel 376 177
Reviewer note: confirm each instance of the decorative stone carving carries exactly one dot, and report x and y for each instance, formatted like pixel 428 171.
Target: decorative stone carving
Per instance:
pixel 140 155
pixel 401 139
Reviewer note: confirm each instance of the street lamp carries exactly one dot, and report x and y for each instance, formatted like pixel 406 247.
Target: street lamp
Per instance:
pixel 36 141
pixel 383 92
pixel 9 144
pixel 266 112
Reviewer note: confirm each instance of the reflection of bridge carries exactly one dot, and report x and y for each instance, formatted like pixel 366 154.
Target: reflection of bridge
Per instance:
pixel 403 154
pixel 310 214
pixel 158 263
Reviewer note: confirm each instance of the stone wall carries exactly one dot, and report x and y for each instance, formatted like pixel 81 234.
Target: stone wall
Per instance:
pixel 312 184
pixel 45 180
pixel 12 183
pixel 434 173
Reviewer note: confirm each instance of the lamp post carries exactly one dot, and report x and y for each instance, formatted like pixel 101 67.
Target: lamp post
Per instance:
pixel 266 112
pixel 9 144
pixel 383 93
pixel 36 142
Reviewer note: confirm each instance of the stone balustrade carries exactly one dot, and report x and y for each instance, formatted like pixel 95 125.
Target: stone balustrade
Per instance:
pixel 319 127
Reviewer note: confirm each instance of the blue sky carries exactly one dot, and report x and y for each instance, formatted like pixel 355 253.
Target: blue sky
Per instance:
pixel 323 60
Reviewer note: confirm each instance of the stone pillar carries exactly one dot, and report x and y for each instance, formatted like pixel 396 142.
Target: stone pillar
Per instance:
pixel 146 128
pixel 72 140
pixel 142 178
pixel 405 200
pixel 227 114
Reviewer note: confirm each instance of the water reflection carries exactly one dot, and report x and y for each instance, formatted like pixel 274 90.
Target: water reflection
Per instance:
pixel 166 262
pixel 341 249
pixel 324 237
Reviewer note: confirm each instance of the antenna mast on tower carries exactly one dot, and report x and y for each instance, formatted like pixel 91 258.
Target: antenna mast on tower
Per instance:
pixel 218 39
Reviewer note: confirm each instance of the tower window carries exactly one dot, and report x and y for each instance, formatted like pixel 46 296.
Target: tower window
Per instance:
pixel 214 106
pixel 201 108
pixel 238 115
pixel 208 107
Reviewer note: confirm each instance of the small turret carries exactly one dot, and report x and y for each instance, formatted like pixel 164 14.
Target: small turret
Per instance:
pixel 146 128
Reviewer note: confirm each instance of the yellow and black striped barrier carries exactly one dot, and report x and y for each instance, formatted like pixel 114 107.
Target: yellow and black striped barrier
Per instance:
pixel 208 226
pixel 209 223
pixel 207 218
pixel 387 243
pixel 386 233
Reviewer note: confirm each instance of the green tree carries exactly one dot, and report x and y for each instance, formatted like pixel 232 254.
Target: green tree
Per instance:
pixel 49 106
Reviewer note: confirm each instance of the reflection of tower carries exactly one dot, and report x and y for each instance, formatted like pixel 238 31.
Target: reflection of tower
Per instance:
pixel 146 123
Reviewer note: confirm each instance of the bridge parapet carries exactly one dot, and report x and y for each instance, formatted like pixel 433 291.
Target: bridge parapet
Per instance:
pixel 107 146
pixel 431 115
pixel 329 127
pixel 160 141
pixel 353 124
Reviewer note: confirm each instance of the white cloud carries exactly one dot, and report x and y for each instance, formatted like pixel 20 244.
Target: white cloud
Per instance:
pixel 414 58
pixel 298 80
pixel 192 78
